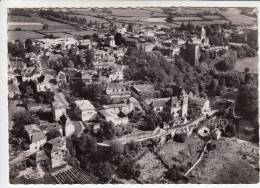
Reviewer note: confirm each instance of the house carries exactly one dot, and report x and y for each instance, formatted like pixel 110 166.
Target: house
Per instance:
pixel 47 127
pixel 116 75
pixel 110 41
pixel 61 77
pixel 84 110
pixel 13 91
pixel 34 107
pixel 41 87
pixel 86 76
pixel 117 90
pixel 71 74
pixel 79 128
pixel 133 104
pixel 145 90
pixel 116 108
pixel 57 151
pixel 36 137
pixel 58 109
pixel 203 103
pixel 42 159
pixel 116 118
pixel 147 47
pixel 171 105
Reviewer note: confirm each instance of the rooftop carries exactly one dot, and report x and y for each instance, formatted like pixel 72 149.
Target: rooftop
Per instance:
pixel 32 128
pixel 58 142
pixel 50 126
pixel 84 105
pixel 114 105
pixel 144 87
pixel 38 136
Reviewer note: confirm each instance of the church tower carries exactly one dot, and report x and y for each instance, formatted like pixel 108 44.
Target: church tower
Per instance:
pixel 184 109
pixel 203 34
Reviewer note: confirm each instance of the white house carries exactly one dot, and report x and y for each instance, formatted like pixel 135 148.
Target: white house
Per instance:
pixel 84 110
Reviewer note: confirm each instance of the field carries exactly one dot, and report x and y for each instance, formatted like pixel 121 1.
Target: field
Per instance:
pixel 90 18
pixel 25 25
pixel 23 35
pixel 235 17
pixel 250 62
pixel 145 16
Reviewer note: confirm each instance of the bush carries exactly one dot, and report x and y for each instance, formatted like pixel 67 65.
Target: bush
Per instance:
pixel 180 137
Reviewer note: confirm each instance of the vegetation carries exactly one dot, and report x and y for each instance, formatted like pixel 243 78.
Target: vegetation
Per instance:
pixel 228 63
pixel 247 101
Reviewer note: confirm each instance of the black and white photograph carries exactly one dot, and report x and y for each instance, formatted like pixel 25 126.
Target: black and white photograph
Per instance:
pixel 133 95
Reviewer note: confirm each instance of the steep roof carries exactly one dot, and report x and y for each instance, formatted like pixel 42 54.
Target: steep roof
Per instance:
pixel 174 101
pixel 114 105
pixel 41 155
pixel 38 136
pixel 84 105
pixel 144 87
pixel 48 126
pixel 115 85
pixel 198 100
pixel 79 127
pixel 32 128
pixel 159 102
pixel 58 142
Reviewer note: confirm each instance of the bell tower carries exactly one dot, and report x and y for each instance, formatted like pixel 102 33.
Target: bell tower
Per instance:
pixel 184 109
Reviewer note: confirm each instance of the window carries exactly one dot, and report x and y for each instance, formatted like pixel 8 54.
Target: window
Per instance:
pixel 157 109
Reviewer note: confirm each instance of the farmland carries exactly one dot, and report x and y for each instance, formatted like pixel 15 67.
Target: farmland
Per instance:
pixel 23 35
pixel 25 25
pixel 145 16
pixel 235 17
pixel 250 62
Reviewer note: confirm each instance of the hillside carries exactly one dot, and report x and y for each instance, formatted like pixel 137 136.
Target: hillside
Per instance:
pixel 233 161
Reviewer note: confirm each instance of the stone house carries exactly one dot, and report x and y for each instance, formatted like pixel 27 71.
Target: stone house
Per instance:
pixel 117 90
pixel 203 103
pixel 57 151
pixel 84 110
pixel 36 137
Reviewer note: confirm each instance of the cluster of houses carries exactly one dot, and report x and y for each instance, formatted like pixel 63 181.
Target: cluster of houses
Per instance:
pixel 107 68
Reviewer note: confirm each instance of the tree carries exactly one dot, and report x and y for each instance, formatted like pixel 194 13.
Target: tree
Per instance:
pixel 169 18
pixel 180 137
pixel 119 39
pixel 92 91
pixel 247 101
pixel 213 87
pixel 228 63
pixel 174 174
pixel 128 168
pixel 53 133
pixel 89 57
pixel 166 116
pixel 20 120
pixel 108 130
pixel 153 120
pixel 86 144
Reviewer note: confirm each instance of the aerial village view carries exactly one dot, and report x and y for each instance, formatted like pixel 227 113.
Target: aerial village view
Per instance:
pixel 133 95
